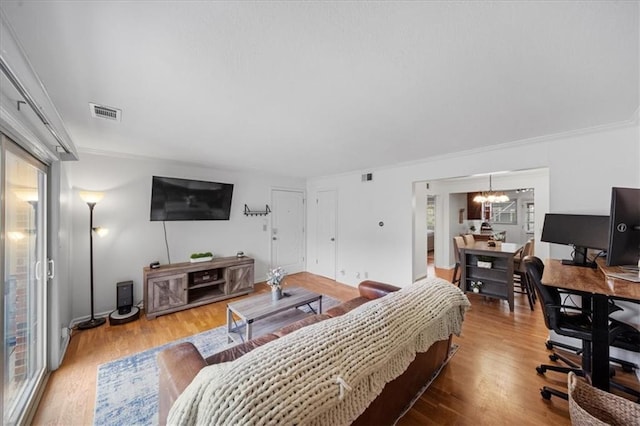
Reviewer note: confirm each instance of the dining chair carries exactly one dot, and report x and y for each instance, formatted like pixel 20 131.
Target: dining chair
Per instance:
pixel 520 282
pixel 458 243
pixel 469 241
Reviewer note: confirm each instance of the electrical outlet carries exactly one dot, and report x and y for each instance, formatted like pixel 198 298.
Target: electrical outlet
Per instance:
pixel 64 333
pixel 357 274
pixel 366 275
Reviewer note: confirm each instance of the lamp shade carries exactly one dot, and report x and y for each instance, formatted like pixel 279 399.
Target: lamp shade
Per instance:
pixel 91 196
pixel 101 231
pixel 27 195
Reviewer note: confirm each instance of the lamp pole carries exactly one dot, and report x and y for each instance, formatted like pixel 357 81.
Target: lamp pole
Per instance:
pixel 93 322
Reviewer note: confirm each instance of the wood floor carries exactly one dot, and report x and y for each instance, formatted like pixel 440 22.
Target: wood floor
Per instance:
pixel 490 381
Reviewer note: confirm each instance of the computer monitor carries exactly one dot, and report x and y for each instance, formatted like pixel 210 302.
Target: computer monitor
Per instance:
pixel 624 231
pixel 580 231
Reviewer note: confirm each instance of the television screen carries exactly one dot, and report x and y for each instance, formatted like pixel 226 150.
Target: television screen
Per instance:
pixel 624 235
pixel 185 199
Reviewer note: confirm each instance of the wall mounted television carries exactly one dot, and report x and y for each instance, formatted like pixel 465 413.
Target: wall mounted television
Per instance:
pixel 624 232
pixel 580 231
pixel 175 199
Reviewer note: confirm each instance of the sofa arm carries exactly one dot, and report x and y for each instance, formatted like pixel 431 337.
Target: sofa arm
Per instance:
pixel 177 365
pixel 374 289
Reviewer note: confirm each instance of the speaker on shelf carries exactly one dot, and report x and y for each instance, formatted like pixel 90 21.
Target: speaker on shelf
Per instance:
pixel 126 311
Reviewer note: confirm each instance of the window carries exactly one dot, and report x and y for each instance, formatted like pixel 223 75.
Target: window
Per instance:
pixel 431 213
pixel 529 218
pixel 505 213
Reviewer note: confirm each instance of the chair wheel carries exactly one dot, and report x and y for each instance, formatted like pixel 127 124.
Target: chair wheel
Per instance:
pixel 548 345
pixel 540 369
pixel 553 357
pixel 545 394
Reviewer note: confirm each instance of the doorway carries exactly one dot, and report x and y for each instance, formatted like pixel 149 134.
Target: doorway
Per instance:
pixel 23 213
pixel 455 215
pixel 326 233
pixel 287 230
pixel 431 235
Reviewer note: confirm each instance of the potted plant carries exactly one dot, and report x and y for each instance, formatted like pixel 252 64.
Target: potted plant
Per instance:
pixel 274 280
pixel 201 257
pixel 476 286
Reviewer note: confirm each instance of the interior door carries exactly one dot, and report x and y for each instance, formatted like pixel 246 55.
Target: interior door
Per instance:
pixel 23 180
pixel 326 233
pixel 287 230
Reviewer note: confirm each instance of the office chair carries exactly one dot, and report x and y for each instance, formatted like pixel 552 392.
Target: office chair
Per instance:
pixel 628 340
pixel 568 321
pixel 458 243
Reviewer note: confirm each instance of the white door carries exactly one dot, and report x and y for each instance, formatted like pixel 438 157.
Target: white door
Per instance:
pixel 326 234
pixel 287 230
pixel 23 181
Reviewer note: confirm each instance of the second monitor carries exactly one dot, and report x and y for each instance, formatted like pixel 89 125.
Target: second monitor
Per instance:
pixel 583 232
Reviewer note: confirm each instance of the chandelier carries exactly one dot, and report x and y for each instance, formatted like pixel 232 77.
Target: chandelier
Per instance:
pixel 491 196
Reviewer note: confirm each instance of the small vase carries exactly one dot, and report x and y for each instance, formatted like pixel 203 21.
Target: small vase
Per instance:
pixel 276 293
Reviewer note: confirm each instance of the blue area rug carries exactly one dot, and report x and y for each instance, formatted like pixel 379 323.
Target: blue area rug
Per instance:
pixel 127 388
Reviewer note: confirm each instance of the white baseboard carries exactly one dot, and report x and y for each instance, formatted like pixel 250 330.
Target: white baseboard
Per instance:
pixel 76 321
pixel 63 350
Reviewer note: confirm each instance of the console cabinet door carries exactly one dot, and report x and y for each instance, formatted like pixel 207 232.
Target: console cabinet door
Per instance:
pixel 239 278
pixel 167 292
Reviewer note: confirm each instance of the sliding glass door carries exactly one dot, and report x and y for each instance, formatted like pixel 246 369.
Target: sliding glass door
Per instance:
pixel 23 269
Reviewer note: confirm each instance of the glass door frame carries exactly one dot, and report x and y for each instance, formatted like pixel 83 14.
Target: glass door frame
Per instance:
pixel 38 350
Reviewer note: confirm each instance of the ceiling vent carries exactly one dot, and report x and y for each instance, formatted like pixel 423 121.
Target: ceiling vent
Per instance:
pixel 108 113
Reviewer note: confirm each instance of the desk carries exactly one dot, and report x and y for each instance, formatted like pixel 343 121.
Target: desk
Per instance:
pixel 594 283
pixel 497 281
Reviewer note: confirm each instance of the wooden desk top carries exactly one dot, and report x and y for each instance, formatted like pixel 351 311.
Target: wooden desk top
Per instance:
pixel 589 280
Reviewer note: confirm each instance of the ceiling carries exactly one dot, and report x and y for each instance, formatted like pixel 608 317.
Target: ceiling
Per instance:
pixel 319 88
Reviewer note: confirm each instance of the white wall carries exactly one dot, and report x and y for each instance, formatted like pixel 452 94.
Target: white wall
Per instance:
pixel 363 247
pixel 59 302
pixel 582 170
pixel 134 241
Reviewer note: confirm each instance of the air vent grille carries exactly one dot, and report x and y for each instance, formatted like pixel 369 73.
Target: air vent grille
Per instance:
pixel 108 113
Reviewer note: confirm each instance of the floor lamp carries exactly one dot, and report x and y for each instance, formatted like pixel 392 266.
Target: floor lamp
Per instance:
pixel 91 198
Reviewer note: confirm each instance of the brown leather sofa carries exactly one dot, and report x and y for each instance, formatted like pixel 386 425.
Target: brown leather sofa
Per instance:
pixel 179 364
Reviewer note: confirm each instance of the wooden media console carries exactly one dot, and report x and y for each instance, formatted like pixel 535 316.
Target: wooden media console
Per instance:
pixel 179 286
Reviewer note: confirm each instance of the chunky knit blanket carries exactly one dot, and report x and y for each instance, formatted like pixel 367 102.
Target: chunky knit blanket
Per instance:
pixel 329 372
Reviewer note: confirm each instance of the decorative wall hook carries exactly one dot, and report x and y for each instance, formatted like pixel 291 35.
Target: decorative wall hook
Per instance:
pixel 248 212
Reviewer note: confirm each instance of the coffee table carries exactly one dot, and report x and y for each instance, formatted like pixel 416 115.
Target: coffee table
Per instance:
pixel 244 313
